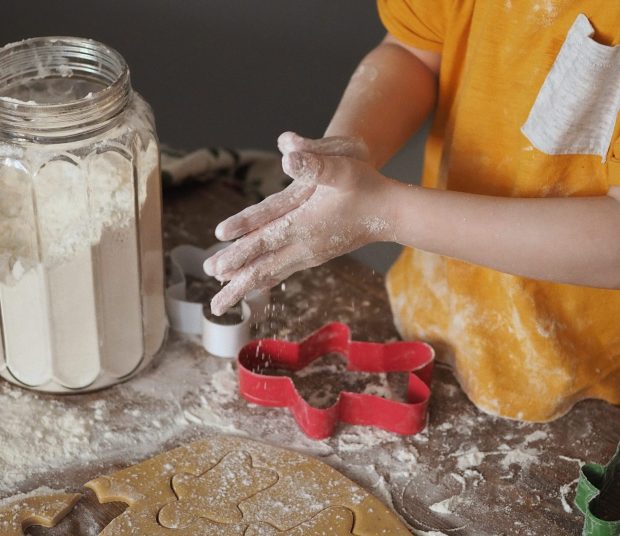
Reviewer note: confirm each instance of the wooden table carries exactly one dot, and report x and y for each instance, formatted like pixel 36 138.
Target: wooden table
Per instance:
pixel 468 473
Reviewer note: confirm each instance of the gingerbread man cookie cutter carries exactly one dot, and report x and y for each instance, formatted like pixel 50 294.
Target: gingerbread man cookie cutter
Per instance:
pixel 220 340
pixel 406 418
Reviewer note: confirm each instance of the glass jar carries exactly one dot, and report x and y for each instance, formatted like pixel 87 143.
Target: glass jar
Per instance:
pixel 81 264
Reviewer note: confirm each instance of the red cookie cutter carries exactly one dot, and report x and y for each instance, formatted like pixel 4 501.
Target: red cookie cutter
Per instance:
pixel 404 418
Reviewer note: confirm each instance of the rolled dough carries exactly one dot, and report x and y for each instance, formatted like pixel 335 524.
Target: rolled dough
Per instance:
pixel 230 486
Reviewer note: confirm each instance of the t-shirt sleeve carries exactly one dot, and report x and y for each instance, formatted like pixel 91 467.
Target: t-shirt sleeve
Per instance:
pixel 419 23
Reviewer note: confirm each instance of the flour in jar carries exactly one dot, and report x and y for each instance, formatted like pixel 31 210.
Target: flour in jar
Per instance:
pixel 54 204
pixel 81 277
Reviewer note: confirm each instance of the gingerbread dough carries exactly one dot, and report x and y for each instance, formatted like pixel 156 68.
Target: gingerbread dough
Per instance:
pixel 20 512
pixel 235 480
pixel 229 486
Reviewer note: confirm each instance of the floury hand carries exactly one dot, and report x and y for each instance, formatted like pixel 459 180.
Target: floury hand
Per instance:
pixel 333 206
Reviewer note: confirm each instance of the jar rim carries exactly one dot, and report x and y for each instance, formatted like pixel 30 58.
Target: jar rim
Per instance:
pixel 42 58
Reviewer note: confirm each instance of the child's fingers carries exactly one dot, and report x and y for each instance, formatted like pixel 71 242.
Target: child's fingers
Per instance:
pixel 334 171
pixel 256 216
pixel 331 146
pixel 271 237
pixel 264 272
pixel 224 278
pixel 211 264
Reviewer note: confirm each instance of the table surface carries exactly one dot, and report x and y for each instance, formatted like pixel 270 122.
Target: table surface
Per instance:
pixel 466 473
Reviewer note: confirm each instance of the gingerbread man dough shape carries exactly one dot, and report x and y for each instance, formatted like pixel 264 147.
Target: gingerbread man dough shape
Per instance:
pixel 217 493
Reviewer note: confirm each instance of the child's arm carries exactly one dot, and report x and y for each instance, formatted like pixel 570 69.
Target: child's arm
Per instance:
pixel 573 240
pixel 389 96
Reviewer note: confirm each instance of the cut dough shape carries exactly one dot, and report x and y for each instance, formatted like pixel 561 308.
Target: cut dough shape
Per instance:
pixel 25 511
pixel 216 494
pixel 336 520
pixel 285 494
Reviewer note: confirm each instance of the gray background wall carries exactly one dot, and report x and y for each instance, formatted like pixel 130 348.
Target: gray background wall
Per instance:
pixel 230 73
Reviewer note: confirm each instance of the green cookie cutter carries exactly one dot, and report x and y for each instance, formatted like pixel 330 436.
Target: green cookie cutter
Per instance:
pixel 595 479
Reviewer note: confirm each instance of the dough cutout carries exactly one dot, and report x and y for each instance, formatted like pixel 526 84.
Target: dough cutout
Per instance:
pixel 46 510
pixel 231 486
pixel 336 520
pixel 217 493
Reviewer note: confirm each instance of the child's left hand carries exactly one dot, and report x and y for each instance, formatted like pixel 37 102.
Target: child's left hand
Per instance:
pixel 337 203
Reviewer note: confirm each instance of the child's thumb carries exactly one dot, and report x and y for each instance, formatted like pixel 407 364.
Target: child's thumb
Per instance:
pixel 289 142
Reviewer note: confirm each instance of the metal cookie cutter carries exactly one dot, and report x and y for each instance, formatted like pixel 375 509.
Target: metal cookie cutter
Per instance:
pixel 593 480
pixel 405 418
pixel 188 317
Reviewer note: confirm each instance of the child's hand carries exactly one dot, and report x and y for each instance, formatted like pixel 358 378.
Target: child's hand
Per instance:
pixel 294 195
pixel 335 205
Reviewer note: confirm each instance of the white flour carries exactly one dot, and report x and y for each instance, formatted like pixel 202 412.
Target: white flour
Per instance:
pixel 521 456
pixel 68 199
pixel 41 491
pixel 446 506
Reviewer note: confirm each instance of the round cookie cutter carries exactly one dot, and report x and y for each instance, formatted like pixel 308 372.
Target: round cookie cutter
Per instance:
pixel 188 317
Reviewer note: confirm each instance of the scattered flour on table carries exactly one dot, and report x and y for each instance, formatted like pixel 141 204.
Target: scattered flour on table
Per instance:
pixel 446 506
pixel 444 427
pixel 522 456
pixel 564 491
pixel 183 397
pixel 189 395
pixel 569 459
pixel 470 458
pixel 538 435
pixel 75 431
pixel 38 492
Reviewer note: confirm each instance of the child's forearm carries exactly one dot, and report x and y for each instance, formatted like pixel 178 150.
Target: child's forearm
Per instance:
pixel 565 240
pixel 388 98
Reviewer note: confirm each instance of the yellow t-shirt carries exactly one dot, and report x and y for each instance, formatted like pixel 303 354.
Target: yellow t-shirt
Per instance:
pixel 520 348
